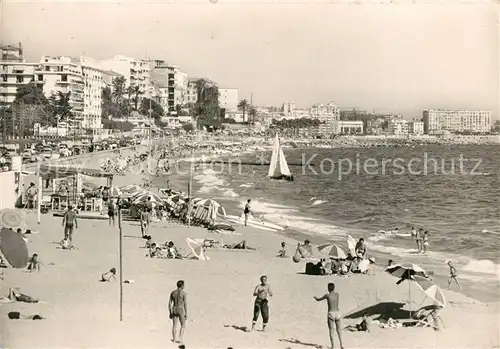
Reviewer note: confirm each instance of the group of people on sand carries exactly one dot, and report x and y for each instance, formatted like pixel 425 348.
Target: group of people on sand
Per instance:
pixel 168 250
pixel 178 310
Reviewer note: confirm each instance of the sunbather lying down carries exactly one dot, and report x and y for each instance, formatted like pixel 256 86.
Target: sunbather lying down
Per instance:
pixel 16 296
pixel 363 326
pixel 15 315
pixel 109 276
pixel 242 245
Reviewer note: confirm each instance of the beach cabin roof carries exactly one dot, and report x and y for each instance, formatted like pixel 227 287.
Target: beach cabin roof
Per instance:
pixel 54 171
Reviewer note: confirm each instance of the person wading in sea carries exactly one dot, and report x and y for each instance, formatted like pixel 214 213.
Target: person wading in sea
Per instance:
pixel 333 315
pixel 69 223
pixel 177 307
pixel 261 292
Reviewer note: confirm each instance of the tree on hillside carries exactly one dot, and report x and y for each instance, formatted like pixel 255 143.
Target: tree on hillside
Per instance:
pixel 119 92
pixel 30 106
pixel 30 94
pixel 108 106
pixel 135 94
pixel 156 109
pixel 62 107
pixel 243 106
pixel 207 110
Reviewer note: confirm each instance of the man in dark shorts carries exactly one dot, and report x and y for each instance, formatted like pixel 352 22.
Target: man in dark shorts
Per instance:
pixel 261 292
pixel 69 224
pixel 247 211
pixel 177 307
pixel 333 314
pixel 111 212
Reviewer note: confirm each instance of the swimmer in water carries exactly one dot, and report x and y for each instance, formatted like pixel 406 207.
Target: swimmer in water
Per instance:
pixel 334 319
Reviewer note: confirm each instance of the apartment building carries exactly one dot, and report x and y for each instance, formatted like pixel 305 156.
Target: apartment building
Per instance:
pixel 327 114
pixel 191 93
pixel 436 120
pixel 65 75
pixel 135 72
pixel 14 73
pixel 228 99
pixel 398 127
pixel 416 127
pixel 171 84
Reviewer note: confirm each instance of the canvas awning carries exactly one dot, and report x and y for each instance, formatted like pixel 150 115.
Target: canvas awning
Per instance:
pixel 55 171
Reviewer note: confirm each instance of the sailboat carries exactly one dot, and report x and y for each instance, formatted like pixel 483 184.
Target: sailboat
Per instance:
pixel 278 168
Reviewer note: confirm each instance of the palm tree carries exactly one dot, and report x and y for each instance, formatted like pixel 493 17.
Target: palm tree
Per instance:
pixel 134 95
pixel 252 112
pixel 243 106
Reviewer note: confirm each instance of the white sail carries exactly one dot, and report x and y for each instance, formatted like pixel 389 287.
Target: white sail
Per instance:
pixel 284 170
pixel 274 157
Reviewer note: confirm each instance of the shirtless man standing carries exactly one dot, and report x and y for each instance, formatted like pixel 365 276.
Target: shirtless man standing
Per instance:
pixel 334 317
pixel 261 304
pixel 177 307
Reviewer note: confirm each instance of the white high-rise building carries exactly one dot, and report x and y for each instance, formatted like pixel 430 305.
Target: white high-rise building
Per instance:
pixel 327 114
pixel 14 73
pixel 64 74
pixel 457 120
pixel 171 84
pixel 135 72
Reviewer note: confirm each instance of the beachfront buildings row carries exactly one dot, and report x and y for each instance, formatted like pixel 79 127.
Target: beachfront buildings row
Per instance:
pixel 329 116
pixel 85 77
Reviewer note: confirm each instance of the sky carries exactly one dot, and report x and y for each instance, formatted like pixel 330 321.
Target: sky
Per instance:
pixel 401 57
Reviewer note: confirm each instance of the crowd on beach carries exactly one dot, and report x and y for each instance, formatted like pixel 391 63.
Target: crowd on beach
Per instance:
pixel 357 261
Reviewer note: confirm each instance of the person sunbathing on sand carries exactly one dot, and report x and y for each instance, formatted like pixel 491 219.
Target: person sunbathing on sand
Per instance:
pixel 282 251
pixel 15 315
pixel 363 326
pixel 242 245
pixel 149 241
pixel 334 319
pixel 16 295
pixel 109 276
pixel 34 263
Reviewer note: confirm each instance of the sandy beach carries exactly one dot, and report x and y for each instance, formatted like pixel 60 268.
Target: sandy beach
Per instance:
pixel 84 313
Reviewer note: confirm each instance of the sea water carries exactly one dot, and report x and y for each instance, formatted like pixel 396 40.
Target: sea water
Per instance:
pixel 451 191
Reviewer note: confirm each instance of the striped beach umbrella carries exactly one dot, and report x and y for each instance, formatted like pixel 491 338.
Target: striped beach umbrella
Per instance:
pixel 431 290
pixel 10 218
pixel 332 251
pixel 407 271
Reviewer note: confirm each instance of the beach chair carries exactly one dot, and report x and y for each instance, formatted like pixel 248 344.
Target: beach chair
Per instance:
pixel 429 316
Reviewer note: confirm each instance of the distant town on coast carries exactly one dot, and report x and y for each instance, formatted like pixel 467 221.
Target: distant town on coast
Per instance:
pixel 82 97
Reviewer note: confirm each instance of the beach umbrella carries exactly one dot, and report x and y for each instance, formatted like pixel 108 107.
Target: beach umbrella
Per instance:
pixel 177 197
pixel 431 290
pixel 332 251
pixel 144 197
pixel 407 271
pixel 14 248
pixel 351 245
pixel 196 249
pixel 10 218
